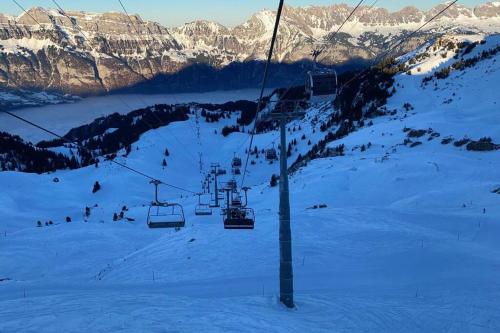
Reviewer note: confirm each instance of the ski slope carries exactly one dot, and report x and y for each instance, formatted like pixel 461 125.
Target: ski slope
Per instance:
pixel 409 240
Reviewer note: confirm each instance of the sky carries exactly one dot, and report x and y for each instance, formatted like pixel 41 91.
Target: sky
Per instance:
pixel 228 12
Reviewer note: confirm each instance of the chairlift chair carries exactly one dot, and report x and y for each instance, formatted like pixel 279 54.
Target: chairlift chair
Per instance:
pixel 164 215
pixel 271 155
pixel 239 218
pixel 202 209
pixel 236 163
pixel 236 214
pixel 231 184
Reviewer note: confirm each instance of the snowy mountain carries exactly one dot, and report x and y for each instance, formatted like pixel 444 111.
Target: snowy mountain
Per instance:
pixel 94 53
pixel 395 215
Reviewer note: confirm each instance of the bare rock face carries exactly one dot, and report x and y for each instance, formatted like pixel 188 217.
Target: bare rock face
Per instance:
pixel 488 10
pixel 93 53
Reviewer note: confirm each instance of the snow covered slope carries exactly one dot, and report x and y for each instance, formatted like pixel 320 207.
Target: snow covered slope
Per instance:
pixel 408 241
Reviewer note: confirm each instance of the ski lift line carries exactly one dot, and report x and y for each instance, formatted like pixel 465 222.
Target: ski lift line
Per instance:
pixel 316 53
pixel 264 81
pixel 88 150
pixel 25 11
pixel 128 16
pixel 401 42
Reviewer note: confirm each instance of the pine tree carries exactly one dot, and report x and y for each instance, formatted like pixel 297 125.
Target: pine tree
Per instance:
pixel 164 163
pixel 274 180
pixel 167 153
pixel 68 219
pixel 97 187
pixel 87 212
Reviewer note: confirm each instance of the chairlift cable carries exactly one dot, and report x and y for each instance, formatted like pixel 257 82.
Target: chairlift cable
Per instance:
pixel 316 53
pixel 64 13
pixel 263 87
pixel 25 11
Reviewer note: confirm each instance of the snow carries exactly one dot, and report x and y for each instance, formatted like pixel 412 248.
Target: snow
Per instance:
pixel 13 45
pixel 409 240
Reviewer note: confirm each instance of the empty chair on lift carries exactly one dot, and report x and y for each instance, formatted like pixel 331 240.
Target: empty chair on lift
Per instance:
pixel 321 85
pixel 202 209
pixel 164 215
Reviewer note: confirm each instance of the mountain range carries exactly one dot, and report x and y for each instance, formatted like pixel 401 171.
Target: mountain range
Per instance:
pixel 94 53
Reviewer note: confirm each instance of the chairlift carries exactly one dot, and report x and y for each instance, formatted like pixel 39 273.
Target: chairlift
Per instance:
pixel 202 209
pixel 221 172
pixel 231 184
pixel 271 154
pixel 236 171
pixel 239 218
pixel 164 215
pixel 236 214
pixel 236 163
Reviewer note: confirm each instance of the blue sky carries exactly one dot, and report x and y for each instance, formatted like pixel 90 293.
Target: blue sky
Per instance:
pixel 228 12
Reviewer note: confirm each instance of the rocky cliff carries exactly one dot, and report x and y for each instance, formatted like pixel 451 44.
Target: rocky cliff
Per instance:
pixel 89 53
